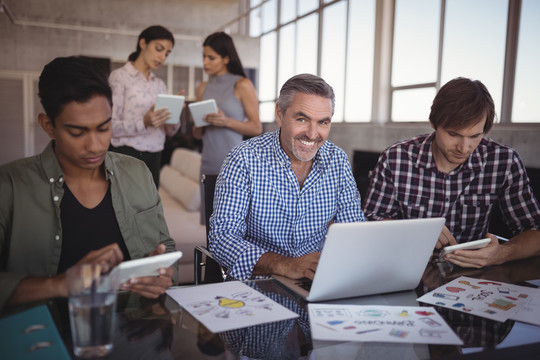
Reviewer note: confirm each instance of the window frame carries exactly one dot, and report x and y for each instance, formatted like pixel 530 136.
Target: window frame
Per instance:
pixel 382 89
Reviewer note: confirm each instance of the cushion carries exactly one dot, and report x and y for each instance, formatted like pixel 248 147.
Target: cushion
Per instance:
pixel 181 188
pixel 188 162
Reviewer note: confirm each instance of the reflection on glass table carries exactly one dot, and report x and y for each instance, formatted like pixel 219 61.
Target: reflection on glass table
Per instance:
pixel 161 329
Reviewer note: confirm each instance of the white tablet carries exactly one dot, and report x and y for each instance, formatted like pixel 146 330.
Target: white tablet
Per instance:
pixel 147 266
pixel 199 110
pixel 174 105
pixel 471 245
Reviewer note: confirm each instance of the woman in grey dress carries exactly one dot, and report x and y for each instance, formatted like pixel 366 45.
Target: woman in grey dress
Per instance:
pixel 236 98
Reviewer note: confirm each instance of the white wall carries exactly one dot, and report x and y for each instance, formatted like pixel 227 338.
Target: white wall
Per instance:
pixel 109 28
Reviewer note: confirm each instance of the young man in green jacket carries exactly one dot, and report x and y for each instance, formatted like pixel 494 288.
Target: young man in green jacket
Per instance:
pixel 75 202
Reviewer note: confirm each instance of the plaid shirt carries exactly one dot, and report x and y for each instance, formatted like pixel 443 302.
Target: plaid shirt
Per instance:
pixel 259 206
pixel 406 184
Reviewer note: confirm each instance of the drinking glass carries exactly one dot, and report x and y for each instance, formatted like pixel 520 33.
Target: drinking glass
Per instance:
pixel 92 310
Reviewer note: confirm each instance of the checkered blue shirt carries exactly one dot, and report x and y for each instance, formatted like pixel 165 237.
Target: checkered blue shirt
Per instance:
pixel 273 340
pixel 406 184
pixel 259 206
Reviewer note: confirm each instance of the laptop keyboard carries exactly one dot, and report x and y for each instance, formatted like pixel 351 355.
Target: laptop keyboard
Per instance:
pixel 304 283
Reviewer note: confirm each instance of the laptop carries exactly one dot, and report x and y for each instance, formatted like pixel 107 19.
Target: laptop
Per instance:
pixel 372 257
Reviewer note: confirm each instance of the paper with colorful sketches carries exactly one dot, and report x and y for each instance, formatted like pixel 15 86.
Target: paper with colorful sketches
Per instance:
pixel 494 300
pixel 529 311
pixel 402 324
pixel 229 305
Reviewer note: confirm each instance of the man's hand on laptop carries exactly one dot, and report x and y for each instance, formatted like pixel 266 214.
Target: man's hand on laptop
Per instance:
pixel 294 268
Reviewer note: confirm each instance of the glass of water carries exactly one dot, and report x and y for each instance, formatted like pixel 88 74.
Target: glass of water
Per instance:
pixel 92 310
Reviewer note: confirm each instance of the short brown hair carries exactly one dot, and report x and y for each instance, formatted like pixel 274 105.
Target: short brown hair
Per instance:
pixel 460 103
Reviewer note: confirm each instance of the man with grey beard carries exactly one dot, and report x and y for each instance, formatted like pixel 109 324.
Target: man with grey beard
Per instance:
pixel 277 193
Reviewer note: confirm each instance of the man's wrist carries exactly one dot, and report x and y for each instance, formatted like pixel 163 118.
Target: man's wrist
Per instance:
pixel 32 289
pixel 269 263
pixel 57 285
pixel 506 253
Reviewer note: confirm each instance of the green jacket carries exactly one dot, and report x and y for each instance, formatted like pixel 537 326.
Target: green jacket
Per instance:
pixel 31 190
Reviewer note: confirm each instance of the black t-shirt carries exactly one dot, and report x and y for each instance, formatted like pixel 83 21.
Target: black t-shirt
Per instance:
pixel 86 229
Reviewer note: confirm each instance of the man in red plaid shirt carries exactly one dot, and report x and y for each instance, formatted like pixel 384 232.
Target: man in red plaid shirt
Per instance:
pixel 457 173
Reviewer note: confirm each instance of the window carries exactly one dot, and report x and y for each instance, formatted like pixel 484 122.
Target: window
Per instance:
pixel 21 134
pixel 180 79
pixel 255 19
pixel 199 75
pixel 161 72
pixel 287 45
pixel 305 6
pixel 526 104
pixel 386 59
pixel 334 38
pixel 412 105
pixel 269 16
pixel 12 101
pixel 416 40
pixel 267 70
pixel 288 11
pixel 359 68
pixel 474 43
pixel 306 45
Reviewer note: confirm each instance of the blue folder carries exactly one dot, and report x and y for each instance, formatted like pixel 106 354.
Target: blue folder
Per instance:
pixel 31 334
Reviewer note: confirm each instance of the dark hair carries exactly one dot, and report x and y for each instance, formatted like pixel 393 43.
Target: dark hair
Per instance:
pixel 68 79
pixel 155 32
pixel 224 46
pixel 461 103
pixel 306 84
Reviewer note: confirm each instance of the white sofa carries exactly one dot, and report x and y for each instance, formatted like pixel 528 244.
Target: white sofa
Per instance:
pixel 179 188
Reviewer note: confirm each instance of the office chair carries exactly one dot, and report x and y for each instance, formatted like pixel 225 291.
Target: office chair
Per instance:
pixel 213 271
pixel 364 163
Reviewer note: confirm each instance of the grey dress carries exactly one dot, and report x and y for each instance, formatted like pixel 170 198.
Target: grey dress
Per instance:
pixel 218 141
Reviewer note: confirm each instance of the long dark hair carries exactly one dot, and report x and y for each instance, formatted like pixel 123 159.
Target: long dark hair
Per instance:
pixel 155 32
pixel 224 46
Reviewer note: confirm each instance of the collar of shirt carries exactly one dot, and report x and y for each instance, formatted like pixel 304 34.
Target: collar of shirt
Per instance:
pixel 51 165
pixel 109 167
pixel 54 172
pixel 132 71
pixel 224 78
pixel 475 162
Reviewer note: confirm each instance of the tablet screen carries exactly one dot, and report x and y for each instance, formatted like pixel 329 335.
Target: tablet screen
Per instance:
pixel 147 266
pixel 200 109
pixel 174 105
